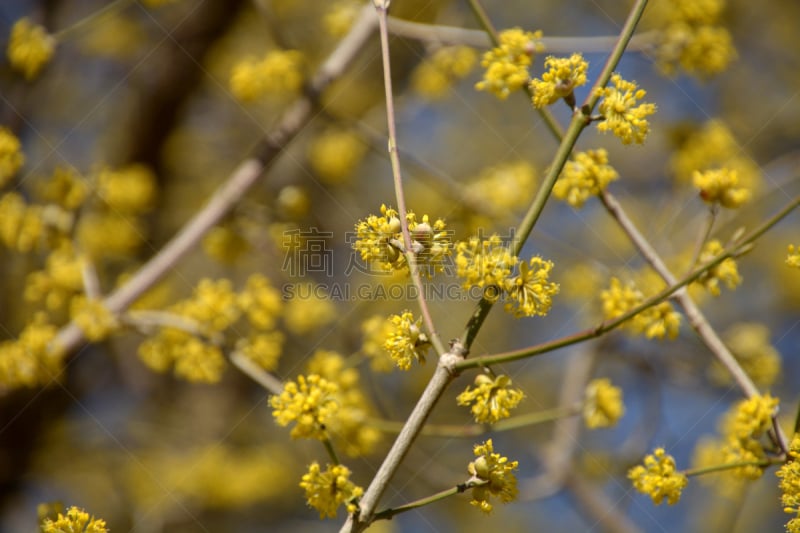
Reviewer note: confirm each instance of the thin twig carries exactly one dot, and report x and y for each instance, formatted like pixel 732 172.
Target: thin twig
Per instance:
pixel 381 7
pixel 80 26
pixel 458 489
pixel 703 236
pixel 239 182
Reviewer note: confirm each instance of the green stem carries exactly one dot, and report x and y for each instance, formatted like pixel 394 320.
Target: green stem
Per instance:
pixel 331 452
pixel 458 489
pixel 474 430
pixel 691 472
pixel 113 7
pixel 484 21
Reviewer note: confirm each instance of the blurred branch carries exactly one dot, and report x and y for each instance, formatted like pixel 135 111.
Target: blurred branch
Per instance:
pixel 272 384
pixel 239 182
pixel 598 506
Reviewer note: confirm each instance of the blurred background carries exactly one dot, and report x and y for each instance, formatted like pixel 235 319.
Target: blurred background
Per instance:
pixel 147 87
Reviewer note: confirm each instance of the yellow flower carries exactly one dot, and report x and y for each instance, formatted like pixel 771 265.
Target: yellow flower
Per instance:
pixel 278 73
pixel 27 361
pixel 658 478
pixel 326 491
pixel 375 330
pixel 496 474
pixel 507 65
pixel 433 77
pixel 11 156
pixel 793 256
pixel 75 520
pixel 750 418
pixel 224 243
pixel 21 225
pixel 194 359
pixel 264 349
pixel 602 405
pixel 491 399
pixel 405 341
pixel 93 318
pixel 380 240
pixel 66 187
pixel 586 175
pixel 657 321
pixel 484 263
pixel 531 291
pixel 561 78
pixel 335 154
pixel 725 271
pixel 721 186
pixel 310 403
pixel 213 304
pixel 30 47
pixel 349 428
pixel 620 113
pixel 260 301
pixel 129 190
pixel 789 474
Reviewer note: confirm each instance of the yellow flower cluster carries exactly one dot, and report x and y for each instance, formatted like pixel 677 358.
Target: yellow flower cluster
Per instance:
pixel 712 146
pixel 130 190
pixel 587 174
pixel 507 65
pixel 193 344
pixel 721 186
pixel 349 427
pixel 326 491
pixel 504 187
pixel 740 443
pixel 562 76
pixel 93 318
pixel 335 154
pixel 793 256
pixel 750 344
pixel 30 48
pixel 657 321
pixel 74 521
pixel 11 156
pixel 375 330
pixel 59 281
pixel 789 474
pixel 22 226
pixel 379 239
pixel 531 291
pixel 278 73
pixel 487 263
pixel 495 475
pixel 310 403
pixel 690 36
pixel 66 188
pixel 224 243
pixel 26 362
pixel 434 76
pixel 405 341
pixel 491 399
pixel 726 271
pixel 658 478
pixel 602 404
pixel 621 115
